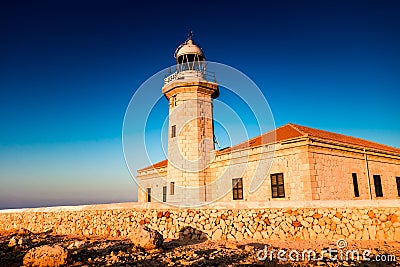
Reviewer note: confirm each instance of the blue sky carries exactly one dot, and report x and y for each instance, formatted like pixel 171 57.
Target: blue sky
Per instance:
pixel 68 70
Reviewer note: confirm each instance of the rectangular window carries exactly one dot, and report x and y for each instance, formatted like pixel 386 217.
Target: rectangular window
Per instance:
pixel 355 185
pixel 173 131
pixel 378 186
pixel 237 188
pixel 398 185
pixel 172 188
pixel 277 185
pixel 148 194
pixel 164 194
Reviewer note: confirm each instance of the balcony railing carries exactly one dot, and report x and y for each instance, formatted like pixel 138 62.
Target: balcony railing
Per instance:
pixel 190 74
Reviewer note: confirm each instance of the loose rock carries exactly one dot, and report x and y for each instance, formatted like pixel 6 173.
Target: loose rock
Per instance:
pixel 13 242
pixel 146 238
pixel 46 255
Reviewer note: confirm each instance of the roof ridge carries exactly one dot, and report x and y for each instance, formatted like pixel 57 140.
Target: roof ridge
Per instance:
pixel 249 140
pixel 260 135
pixel 156 165
pixel 348 136
pixel 295 126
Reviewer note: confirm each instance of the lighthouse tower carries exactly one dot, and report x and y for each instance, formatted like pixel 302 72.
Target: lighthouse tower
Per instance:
pixel 190 91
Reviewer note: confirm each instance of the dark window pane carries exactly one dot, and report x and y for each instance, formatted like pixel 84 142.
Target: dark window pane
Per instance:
pixel 280 179
pixel 237 188
pixel 277 185
pixel 148 194
pixel 355 185
pixel 273 180
pixel 378 186
pixel 274 191
pixel 240 193
pixel 398 185
pixel 281 191
pixel 173 131
pixel 164 194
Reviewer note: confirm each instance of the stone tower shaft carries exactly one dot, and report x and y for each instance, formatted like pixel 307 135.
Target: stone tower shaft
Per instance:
pixel 191 130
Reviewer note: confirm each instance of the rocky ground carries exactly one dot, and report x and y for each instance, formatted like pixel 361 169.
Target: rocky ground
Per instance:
pixel 85 251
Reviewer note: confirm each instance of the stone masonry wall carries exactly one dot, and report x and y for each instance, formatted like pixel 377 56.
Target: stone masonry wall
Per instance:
pixel 154 179
pixel 331 170
pixel 190 149
pixel 215 222
pixel 291 160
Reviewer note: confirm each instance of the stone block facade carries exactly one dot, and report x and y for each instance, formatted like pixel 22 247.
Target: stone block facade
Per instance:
pixel 312 169
pixel 191 138
pixel 332 168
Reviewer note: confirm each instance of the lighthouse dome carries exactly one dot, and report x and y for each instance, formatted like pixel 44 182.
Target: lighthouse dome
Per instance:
pixel 188 51
pixel 188 47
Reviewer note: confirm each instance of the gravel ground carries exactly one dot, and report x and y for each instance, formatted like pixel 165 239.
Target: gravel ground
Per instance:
pixel 95 251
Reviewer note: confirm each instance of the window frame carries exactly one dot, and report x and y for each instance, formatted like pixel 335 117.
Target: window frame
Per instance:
pixel 398 185
pixel 173 131
pixel 378 185
pixel 164 199
pixel 237 188
pixel 355 185
pixel 148 194
pixel 172 188
pixel 275 178
pixel 174 101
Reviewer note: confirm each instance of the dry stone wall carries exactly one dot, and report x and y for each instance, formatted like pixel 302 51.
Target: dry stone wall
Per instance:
pixel 381 223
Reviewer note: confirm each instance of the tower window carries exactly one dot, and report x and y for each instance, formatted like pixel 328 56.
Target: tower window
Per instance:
pixel 148 195
pixel 355 185
pixel 237 188
pixel 173 101
pixel 164 194
pixel 378 186
pixel 398 185
pixel 277 185
pixel 173 131
pixel 172 188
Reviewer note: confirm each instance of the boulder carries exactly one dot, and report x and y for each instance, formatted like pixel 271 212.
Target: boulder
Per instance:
pixel 146 238
pixel 46 256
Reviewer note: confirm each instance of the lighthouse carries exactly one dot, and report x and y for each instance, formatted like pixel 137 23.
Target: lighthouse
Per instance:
pixel 190 91
pixel 291 162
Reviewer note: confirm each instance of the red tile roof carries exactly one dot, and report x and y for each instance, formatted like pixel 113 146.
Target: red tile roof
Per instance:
pixel 279 134
pixel 157 165
pixel 320 134
pixel 292 131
